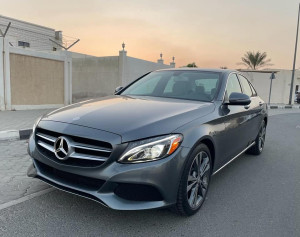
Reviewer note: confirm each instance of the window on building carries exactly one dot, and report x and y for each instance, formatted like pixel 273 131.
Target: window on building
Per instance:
pixel 23 44
pixel 54 49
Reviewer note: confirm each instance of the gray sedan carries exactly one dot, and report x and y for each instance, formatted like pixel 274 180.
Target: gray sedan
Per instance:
pixel 155 143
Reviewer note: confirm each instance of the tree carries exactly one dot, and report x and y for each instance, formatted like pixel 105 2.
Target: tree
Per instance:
pixel 255 60
pixel 191 65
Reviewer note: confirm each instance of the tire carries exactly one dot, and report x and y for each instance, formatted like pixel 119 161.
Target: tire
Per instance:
pixel 199 162
pixel 258 147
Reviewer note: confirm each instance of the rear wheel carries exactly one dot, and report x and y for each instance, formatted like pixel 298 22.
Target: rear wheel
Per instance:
pixel 258 147
pixel 194 181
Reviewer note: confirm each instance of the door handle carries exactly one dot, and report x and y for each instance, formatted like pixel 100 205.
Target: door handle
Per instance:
pixel 247 106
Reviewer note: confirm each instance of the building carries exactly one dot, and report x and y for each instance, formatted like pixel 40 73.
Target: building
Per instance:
pixel 28 35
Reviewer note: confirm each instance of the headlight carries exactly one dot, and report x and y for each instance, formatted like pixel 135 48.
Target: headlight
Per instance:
pixel 151 149
pixel 35 124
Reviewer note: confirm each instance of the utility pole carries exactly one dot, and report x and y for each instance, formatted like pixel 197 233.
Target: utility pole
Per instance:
pixel 294 64
pixel 272 77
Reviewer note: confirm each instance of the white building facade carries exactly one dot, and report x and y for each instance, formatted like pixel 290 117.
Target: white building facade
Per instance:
pixel 28 35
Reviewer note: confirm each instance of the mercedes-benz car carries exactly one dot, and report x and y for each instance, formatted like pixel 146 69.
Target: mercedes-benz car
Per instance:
pixel 155 143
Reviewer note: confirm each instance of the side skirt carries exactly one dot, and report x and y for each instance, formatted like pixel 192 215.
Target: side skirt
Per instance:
pixel 234 158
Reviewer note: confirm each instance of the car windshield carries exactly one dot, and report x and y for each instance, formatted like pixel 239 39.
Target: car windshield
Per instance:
pixel 189 85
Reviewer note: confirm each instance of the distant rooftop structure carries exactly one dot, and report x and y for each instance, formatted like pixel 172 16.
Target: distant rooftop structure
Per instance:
pixel 29 35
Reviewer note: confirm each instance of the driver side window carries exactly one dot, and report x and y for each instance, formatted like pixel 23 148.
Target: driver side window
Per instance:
pixel 233 85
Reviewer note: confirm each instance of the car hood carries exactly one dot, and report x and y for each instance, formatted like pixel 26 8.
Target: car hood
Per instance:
pixel 132 118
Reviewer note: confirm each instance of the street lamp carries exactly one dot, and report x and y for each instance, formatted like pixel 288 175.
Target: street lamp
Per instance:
pixel 294 63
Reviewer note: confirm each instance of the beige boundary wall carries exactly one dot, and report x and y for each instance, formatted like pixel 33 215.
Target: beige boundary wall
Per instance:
pixel 39 80
pixel 33 80
pixel 94 77
pixel 134 68
pixel 99 76
pixel 280 86
pixel 43 78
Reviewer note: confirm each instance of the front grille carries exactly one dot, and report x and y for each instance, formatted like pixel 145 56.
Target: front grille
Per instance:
pixel 84 152
pixel 69 178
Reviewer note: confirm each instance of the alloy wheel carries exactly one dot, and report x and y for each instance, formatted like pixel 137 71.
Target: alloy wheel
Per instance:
pixel 198 180
pixel 261 138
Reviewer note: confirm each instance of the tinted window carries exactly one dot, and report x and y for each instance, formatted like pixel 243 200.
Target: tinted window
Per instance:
pixel 246 87
pixel 191 85
pixel 233 85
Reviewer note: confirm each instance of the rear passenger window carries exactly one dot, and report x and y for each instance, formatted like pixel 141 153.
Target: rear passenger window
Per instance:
pixel 246 87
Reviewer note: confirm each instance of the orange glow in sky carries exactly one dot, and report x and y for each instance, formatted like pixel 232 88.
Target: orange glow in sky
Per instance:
pixel 210 33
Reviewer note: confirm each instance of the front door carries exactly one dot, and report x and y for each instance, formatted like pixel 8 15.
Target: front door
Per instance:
pixel 236 119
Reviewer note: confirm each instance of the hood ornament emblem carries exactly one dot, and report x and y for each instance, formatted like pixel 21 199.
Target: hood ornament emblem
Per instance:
pixel 62 148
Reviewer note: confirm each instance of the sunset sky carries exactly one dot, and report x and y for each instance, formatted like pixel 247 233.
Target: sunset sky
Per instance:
pixel 209 33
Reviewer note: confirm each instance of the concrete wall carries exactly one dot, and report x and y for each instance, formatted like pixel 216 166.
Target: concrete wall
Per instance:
pixel 280 85
pixel 94 76
pixel 32 79
pixel 36 81
pixel 137 67
pixel 99 76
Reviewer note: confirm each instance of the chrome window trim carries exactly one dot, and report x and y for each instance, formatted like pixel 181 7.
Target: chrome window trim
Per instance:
pixel 249 84
pixel 236 73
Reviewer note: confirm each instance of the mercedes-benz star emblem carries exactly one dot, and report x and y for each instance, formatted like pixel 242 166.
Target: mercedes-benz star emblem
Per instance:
pixel 62 148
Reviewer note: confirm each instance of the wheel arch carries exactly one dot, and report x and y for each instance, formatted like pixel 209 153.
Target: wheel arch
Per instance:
pixel 211 146
pixel 208 141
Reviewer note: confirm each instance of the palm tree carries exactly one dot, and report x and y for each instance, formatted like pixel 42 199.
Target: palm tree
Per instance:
pixel 191 65
pixel 255 60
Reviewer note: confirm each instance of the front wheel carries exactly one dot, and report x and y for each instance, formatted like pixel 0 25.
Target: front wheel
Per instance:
pixel 194 181
pixel 258 147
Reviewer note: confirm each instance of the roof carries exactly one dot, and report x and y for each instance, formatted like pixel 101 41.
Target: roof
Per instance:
pixel 199 69
pixel 260 71
pixel 26 22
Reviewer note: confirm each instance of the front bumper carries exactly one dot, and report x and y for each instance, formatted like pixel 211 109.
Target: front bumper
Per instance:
pixel 103 183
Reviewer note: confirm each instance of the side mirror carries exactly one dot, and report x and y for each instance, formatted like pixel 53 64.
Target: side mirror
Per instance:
pixel 239 99
pixel 118 89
